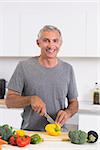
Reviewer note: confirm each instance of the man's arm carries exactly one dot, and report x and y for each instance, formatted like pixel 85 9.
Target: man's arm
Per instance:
pixel 15 100
pixel 64 115
pixel 72 107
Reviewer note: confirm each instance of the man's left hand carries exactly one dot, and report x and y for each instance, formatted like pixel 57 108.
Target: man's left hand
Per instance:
pixel 62 117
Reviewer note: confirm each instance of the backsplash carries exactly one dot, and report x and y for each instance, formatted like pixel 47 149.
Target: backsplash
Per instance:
pixel 87 72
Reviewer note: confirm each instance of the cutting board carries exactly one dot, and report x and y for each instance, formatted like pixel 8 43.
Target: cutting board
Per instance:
pixel 46 137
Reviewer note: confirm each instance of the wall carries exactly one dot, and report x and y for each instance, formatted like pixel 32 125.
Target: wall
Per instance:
pixel 87 72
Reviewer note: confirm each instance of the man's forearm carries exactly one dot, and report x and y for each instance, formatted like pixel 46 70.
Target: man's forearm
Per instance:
pixel 17 101
pixel 72 108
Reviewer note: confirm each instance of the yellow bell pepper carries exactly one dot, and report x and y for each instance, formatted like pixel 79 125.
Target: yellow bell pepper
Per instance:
pixel 53 129
pixel 20 132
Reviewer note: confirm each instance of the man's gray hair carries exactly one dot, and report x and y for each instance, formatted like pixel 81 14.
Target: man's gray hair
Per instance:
pixel 49 28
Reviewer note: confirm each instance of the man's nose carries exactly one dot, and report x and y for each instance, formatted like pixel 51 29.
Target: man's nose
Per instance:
pixel 51 43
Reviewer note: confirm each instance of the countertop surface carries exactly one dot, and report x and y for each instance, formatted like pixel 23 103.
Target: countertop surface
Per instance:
pixel 60 145
pixel 88 107
pixel 55 145
pixel 84 107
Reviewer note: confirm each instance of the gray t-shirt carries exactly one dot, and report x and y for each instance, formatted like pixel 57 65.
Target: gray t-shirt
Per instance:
pixel 52 85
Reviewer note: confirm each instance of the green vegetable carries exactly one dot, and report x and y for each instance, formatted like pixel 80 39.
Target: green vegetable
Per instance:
pixel 78 136
pixel 92 136
pixel 35 139
pixel 6 132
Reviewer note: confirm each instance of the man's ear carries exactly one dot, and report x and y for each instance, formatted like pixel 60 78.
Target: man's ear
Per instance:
pixel 37 41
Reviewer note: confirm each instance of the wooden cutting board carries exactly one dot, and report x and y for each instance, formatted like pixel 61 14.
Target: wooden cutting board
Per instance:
pixel 46 137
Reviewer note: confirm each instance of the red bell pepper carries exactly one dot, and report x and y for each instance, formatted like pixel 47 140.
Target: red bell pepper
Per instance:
pixel 12 140
pixel 23 140
pixel 20 141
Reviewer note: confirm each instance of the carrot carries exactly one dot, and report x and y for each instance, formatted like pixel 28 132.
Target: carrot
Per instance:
pixel 0 147
pixel 3 142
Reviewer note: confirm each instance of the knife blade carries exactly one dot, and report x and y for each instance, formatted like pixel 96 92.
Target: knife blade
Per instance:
pixel 49 119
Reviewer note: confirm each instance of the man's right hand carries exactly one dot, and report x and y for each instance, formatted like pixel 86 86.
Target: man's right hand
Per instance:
pixel 38 105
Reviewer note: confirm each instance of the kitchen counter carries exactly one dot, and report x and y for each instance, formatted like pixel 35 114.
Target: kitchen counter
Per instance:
pixel 84 107
pixel 87 107
pixel 59 145
pixel 55 145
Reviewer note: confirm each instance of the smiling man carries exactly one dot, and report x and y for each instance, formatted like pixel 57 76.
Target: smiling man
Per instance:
pixel 42 83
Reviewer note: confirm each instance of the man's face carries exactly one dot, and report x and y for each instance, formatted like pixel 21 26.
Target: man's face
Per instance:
pixel 49 43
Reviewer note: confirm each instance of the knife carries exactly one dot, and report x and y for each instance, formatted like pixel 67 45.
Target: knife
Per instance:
pixel 49 119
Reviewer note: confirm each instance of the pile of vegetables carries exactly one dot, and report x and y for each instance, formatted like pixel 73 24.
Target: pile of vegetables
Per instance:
pixel 80 137
pixel 17 138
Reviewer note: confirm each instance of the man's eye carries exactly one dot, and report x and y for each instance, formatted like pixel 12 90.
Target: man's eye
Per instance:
pixel 55 40
pixel 45 40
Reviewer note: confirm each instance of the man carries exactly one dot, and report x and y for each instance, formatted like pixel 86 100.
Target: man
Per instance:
pixel 41 84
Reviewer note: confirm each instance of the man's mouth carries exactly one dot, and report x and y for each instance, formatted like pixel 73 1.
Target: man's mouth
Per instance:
pixel 50 50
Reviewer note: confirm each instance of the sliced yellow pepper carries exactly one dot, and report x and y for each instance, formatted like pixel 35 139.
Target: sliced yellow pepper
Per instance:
pixel 53 129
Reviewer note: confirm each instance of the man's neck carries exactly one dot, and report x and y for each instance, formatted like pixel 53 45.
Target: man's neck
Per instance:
pixel 48 62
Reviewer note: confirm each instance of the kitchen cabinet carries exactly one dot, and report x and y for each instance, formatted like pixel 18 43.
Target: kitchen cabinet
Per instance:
pixel 71 21
pixel 89 118
pixel 91 31
pixel 1 33
pixel 9 35
pixel 11 117
pixel 89 122
pixel 98 27
pixel 20 23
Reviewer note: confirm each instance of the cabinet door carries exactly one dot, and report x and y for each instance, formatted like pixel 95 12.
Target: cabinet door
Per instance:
pixel 69 18
pixel 89 122
pixel 1 32
pixel 10 32
pixel 12 117
pixel 98 27
pixel 91 31
pixel 20 24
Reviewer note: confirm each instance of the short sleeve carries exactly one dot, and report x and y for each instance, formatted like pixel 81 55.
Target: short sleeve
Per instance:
pixel 72 88
pixel 16 82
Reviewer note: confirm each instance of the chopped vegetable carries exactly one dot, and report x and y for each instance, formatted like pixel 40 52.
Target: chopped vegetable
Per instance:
pixel 53 129
pixel 36 138
pixel 78 136
pixel 92 136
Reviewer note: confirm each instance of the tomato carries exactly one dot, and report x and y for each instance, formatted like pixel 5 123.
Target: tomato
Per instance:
pixel 23 140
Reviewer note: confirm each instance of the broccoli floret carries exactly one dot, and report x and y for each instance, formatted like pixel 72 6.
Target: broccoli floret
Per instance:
pixel 6 132
pixel 78 136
